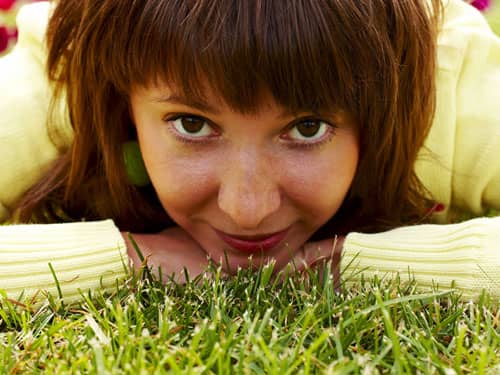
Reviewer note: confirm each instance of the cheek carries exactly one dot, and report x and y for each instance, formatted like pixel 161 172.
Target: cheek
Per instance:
pixel 183 187
pixel 318 184
pixel 183 182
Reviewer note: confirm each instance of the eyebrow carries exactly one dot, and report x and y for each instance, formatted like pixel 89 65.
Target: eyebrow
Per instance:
pixel 200 105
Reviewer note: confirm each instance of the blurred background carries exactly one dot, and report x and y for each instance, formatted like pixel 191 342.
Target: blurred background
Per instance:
pixel 9 8
pixel 8 31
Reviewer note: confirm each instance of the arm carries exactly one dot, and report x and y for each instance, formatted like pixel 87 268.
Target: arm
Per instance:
pixel 459 164
pixel 87 256
pixel 83 256
pixel 465 256
pixel 28 145
pixel 462 171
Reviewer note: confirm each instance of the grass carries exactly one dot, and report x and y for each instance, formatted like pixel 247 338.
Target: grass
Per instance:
pixel 253 323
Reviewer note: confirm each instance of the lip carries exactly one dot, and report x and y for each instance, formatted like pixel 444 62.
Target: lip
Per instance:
pixel 253 244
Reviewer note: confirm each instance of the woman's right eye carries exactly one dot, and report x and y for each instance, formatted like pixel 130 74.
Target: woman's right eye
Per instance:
pixel 191 126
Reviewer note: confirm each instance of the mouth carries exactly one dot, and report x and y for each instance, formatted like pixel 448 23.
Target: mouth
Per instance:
pixel 253 244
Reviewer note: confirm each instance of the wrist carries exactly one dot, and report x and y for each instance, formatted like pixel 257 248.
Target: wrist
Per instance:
pixel 329 250
pixel 132 253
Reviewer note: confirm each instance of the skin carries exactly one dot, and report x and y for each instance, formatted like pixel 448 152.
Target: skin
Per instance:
pixel 243 174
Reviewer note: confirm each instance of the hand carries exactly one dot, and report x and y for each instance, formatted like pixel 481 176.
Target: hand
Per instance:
pixel 313 254
pixel 170 250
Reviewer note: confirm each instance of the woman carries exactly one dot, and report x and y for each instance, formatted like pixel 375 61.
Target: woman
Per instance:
pixel 267 132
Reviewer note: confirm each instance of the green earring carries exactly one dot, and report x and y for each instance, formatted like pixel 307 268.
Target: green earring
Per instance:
pixel 134 165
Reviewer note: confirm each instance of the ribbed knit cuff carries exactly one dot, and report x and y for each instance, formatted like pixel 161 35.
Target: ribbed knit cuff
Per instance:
pixel 84 256
pixel 466 255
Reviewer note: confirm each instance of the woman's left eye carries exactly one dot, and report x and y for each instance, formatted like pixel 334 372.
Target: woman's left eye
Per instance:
pixel 191 126
pixel 309 130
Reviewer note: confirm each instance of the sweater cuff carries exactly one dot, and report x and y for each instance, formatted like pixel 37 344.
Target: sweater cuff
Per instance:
pixel 84 256
pixel 463 257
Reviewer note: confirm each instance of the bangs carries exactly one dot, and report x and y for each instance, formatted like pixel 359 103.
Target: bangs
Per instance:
pixel 294 50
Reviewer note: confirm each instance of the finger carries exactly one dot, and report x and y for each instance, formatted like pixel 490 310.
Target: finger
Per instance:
pixel 325 251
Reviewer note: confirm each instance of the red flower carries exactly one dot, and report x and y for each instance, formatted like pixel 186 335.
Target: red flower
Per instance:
pixel 6 4
pixel 4 38
pixel 481 4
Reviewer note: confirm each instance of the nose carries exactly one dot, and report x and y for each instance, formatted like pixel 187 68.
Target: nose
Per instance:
pixel 249 190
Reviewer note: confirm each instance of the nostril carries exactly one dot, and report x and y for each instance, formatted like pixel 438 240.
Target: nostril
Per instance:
pixel 248 209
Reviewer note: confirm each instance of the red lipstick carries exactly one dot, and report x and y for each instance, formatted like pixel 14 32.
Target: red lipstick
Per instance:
pixel 253 244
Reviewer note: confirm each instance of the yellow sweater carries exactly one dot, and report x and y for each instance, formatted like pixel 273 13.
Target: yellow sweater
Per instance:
pixel 460 165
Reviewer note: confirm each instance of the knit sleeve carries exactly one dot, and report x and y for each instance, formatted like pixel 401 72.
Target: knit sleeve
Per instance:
pixel 69 258
pixel 464 257
pixel 460 164
pixel 476 162
pixel 26 147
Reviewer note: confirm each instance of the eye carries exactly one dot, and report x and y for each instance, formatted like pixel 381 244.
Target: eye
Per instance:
pixel 191 126
pixel 309 130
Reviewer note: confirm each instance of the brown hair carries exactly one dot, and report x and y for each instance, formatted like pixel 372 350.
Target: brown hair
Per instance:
pixel 374 59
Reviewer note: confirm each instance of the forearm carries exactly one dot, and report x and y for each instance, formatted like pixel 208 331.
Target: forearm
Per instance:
pixel 80 256
pixel 465 256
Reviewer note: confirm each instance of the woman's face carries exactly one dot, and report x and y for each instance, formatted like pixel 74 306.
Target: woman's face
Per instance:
pixel 246 185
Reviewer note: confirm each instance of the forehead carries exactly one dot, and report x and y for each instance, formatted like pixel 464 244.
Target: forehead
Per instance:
pixel 204 101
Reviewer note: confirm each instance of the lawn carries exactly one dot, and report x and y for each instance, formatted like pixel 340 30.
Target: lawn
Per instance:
pixel 254 323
